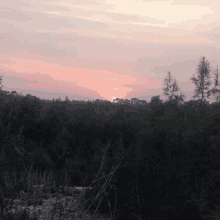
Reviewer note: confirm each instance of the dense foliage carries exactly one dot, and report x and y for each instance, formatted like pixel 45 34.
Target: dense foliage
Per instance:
pixel 169 151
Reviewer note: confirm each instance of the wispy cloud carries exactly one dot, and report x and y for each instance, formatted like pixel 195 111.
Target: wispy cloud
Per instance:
pixel 105 48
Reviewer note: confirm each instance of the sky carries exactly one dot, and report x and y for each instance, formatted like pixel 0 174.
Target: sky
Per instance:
pixel 105 49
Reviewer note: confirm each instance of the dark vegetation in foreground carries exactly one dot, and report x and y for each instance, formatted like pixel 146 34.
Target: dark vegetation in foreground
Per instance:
pixel 158 160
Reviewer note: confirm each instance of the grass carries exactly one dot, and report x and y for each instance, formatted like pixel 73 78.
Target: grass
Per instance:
pixel 30 195
pixel 38 190
pixel 33 190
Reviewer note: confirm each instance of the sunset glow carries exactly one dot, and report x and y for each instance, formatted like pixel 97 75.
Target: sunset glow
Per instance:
pixel 100 49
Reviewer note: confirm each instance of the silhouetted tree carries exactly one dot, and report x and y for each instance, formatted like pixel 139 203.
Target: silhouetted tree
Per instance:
pixel 14 93
pixel 1 82
pixel 67 100
pixel 135 100
pixel 155 100
pixel 215 90
pixel 202 82
pixel 117 100
pixel 171 89
pixel 59 100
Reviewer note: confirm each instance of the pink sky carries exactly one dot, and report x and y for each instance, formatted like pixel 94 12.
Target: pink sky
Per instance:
pixel 105 49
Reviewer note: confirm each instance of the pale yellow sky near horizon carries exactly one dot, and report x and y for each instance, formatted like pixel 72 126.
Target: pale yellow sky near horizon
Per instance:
pixel 89 49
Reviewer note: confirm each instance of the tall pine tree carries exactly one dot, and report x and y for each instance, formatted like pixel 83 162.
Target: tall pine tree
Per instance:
pixel 202 81
pixel 216 90
pixel 171 90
